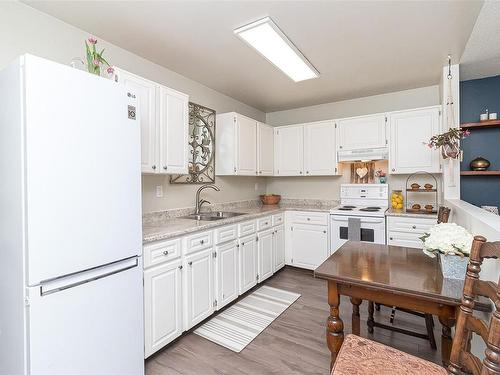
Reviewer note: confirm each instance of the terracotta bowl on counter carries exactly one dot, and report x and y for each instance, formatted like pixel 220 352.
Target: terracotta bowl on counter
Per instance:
pixel 270 199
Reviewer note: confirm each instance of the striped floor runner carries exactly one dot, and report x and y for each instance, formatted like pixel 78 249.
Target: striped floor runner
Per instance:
pixel 238 325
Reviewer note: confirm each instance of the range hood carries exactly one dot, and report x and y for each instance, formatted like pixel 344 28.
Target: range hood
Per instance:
pixel 365 154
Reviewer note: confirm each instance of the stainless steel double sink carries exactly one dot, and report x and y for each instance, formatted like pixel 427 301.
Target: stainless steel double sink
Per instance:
pixel 212 216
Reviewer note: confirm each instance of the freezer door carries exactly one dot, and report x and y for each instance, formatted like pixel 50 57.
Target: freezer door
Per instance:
pixel 89 323
pixel 83 181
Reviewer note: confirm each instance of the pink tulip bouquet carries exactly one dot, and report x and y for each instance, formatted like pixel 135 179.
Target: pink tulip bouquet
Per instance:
pixel 95 60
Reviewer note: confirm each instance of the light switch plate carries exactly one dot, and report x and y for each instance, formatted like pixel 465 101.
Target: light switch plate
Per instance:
pixel 159 191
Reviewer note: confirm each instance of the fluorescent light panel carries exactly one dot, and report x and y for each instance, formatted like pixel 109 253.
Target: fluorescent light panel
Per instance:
pixel 266 37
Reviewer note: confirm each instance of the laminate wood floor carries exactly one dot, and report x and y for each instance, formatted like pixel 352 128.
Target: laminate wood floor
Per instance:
pixel 294 343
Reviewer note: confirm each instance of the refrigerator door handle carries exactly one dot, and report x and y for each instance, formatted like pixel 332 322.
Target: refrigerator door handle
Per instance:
pixel 71 281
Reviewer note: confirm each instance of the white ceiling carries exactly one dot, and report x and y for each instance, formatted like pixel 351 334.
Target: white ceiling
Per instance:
pixel 481 57
pixel 361 48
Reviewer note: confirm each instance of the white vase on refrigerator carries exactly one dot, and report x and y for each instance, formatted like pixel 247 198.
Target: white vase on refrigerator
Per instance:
pixel 70 224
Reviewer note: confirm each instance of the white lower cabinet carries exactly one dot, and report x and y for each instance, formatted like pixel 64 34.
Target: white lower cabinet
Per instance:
pixel 248 259
pixel 265 245
pixel 279 247
pixel 406 231
pixel 199 279
pixel 227 273
pixel 309 245
pixel 162 305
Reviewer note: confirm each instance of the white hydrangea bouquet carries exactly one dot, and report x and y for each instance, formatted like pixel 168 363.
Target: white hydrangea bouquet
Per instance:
pixel 448 239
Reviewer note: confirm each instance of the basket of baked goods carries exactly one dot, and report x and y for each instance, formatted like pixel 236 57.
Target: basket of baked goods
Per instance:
pixel 270 199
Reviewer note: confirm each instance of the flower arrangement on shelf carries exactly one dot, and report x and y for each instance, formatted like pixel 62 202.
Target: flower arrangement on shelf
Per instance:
pixel 95 60
pixel 448 142
pixel 447 239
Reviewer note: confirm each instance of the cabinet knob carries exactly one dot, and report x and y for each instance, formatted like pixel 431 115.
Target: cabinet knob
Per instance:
pixel 393 169
pixel 308 219
pixel 324 231
pixel 180 267
pixel 414 227
pixel 165 167
pixel 242 244
pixel 266 223
pixel 202 241
pixel 190 263
pixel 300 172
pixel 340 146
pixel 165 252
pixel 154 167
pixel 391 238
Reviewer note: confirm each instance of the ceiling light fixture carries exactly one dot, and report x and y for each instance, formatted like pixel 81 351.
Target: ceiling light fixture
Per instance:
pixel 266 37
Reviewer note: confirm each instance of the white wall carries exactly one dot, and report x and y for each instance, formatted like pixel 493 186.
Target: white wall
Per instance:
pixel 328 187
pixel 23 29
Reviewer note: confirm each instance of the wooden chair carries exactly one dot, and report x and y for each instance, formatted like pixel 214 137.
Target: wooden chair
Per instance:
pixel 461 357
pixel 443 216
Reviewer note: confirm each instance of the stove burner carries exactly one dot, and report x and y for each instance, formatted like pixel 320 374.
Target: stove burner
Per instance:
pixel 370 209
pixel 345 209
pixel 373 208
pixel 348 207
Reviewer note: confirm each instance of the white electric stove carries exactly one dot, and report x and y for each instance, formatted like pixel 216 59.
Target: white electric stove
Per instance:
pixel 360 215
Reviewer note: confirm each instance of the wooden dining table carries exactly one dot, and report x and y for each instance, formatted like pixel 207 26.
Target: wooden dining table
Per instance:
pixel 393 276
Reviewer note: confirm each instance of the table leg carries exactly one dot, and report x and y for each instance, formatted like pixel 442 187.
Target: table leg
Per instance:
pixel 446 339
pixel 370 321
pixel 355 316
pixel 334 325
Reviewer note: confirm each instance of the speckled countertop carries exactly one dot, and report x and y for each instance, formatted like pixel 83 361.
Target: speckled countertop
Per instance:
pixel 175 226
pixel 399 212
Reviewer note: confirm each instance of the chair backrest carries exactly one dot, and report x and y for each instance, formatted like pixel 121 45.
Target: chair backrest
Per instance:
pixel 443 214
pixel 461 357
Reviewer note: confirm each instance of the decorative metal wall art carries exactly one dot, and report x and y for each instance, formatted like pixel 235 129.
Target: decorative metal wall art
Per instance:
pixel 201 163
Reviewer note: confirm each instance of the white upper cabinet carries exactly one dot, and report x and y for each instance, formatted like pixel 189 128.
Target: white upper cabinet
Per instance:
pixel 320 156
pixel 146 93
pixel 236 143
pixel 265 149
pixel 163 117
pixel 362 132
pixel 173 131
pixel 408 131
pixel 289 150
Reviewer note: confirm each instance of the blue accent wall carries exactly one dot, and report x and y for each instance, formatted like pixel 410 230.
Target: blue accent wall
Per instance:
pixel 475 96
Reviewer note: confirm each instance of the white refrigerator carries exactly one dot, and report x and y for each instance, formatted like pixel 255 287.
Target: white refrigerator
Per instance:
pixel 71 295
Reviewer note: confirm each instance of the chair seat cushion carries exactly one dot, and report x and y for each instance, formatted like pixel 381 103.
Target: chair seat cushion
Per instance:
pixel 360 356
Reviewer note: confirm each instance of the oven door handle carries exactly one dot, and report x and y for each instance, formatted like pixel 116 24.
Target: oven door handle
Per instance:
pixel 363 219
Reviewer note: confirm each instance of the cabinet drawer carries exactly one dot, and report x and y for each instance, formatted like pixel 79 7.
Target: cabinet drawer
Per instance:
pixel 278 219
pixel 404 239
pixel 409 224
pixel 317 218
pixel 264 223
pixel 198 241
pixel 160 252
pixel 248 227
pixel 226 234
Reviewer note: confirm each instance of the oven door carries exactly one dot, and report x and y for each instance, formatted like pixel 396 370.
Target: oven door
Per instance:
pixel 372 230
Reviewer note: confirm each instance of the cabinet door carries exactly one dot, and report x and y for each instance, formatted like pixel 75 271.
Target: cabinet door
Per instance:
pixel 146 93
pixel 289 151
pixel 265 149
pixel 162 306
pixel 199 287
pixel 309 245
pixel 362 132
pixel 246 146
pixel 279 248
pixel 248 263
pixel 173 128
pixel 265 245
pixel 319 149
pixel 227 275
pixel 409 130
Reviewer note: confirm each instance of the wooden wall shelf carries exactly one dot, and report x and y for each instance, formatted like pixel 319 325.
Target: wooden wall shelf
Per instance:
pixel 480 173
pixel 482 124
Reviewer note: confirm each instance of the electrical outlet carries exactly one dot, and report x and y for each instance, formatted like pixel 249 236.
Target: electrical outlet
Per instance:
pixel 159 191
